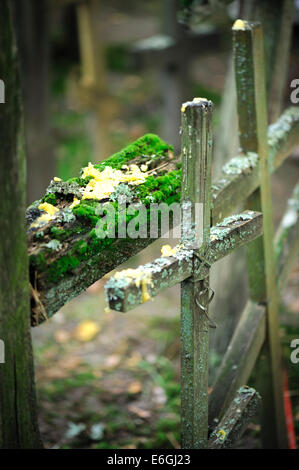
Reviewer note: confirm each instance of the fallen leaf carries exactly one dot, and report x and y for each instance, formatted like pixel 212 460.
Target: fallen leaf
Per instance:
pixel 62 336
pixel 86 331
pixel 135 387
pixel 139 412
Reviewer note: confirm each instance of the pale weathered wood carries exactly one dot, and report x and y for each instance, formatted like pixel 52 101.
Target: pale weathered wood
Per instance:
pixel 287 239
pixel 252 112
pixel 238 361
pixel 18 416
pixel 166 272
pixel 196 191
pixel 244 406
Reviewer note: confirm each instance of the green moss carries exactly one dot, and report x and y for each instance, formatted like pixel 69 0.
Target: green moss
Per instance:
pixel 50 199
pixel 148 145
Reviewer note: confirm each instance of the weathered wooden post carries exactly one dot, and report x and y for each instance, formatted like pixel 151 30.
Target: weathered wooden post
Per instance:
pixel 18 420
pixel 253 122
pixel 196 191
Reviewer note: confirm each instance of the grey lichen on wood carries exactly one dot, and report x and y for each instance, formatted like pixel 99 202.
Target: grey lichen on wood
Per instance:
pixel 124 295
pixel 243 408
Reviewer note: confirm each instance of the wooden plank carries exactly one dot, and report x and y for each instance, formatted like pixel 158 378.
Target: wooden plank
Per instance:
pixel 252 112
pixel 123 294
pixel 196 195
pixel 287 239
pixel 242 409
pixel 239 360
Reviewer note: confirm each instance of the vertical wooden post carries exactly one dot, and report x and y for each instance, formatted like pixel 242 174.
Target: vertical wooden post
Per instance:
pixel 253 122
pixel 18 420
pixel 196 192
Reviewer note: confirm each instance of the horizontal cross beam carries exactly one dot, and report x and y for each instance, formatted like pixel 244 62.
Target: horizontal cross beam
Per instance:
pixel 125 293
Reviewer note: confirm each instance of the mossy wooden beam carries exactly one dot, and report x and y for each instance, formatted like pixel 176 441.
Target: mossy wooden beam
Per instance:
pixel 240 176
pixel 242 409
pixel 238 361
pixel 66 256
pixel 235 231
pixel 287 239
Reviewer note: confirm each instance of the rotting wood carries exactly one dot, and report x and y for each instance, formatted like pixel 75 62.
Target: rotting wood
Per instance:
pixel 242 409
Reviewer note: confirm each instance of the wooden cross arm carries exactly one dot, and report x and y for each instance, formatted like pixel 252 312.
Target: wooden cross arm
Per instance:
pixel 125 293
pixel 243 407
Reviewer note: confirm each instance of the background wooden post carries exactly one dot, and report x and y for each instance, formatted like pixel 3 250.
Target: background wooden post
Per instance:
pixel 18 420
pixel 252 113
pixel 196 190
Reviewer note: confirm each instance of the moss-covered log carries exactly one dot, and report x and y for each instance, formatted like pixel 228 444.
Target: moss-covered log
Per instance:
pixel 66 256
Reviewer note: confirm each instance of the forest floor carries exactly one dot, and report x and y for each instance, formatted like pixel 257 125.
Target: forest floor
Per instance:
pixel 112 380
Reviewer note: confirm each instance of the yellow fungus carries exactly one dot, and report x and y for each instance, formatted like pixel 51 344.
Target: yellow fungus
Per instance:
pixel 140 277
pixel 42 220
pixel 104 183
pixel 49 208
pixel 183 108
pixel 57 179
pixel 166 250
pixel 75 202
pixel 107 309
pixel 221 434
pixel 239 25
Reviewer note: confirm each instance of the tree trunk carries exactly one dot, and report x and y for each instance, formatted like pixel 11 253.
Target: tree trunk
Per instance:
pixel 32 28
pixel 18 420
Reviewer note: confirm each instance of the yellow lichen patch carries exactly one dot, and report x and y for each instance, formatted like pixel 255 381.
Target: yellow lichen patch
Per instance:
pixel 56 179
pixel 75 202
pixel 49 208
pixel 183 108
pixel 104 183
pixel 166 250
pixel 140 277
pixel 42 220
pixel 239 25
pixel 221 434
